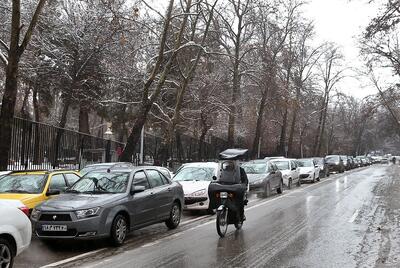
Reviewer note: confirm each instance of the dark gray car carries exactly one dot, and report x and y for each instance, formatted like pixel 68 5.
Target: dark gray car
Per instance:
pixel 264 176
pixel 110 203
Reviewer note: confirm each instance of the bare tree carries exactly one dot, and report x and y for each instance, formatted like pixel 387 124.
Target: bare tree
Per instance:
pixel 331 73
pixel 14 52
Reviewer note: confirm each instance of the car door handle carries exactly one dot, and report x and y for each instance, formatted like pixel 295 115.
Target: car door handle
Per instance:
pixel 169 189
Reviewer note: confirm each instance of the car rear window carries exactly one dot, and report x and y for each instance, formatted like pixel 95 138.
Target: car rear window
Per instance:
pixel 195 174
pixel 23 183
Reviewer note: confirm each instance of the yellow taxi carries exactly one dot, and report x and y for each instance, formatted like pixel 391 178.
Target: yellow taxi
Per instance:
pixel 35 187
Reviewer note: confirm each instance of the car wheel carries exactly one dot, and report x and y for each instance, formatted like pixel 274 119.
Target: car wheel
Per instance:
pixel 267 190
pixel 290 182
pixel 119 230
pixel 174 216
pixel 298 182
pixel 6 254
pixel 279 190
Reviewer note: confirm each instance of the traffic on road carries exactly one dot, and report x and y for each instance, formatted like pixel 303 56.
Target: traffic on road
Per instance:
pixel 110 201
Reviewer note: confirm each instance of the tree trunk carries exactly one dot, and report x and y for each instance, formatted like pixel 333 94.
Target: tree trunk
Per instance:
pixel 38 150
pixel 260 118
pixel 294 121
pixel 292 129
pixel 84 119
pixel 60 132
pixel 282 140
pixel 7 108
pixel 317 135
pixel 134 137
pixel 24 108
pixel 201 144
pixel 322 131
pixel 11 85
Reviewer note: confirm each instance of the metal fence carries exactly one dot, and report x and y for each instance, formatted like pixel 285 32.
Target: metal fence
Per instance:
pixel 183 149
pixel 40 146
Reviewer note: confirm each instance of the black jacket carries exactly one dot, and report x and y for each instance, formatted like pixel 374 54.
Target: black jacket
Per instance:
pixel 243 176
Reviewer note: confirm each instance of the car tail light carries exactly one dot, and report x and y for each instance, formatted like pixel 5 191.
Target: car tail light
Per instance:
pixel 25 210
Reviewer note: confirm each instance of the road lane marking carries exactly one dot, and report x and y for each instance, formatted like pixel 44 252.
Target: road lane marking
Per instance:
pixel 194 219
pixel 300 189
pixel 353 218
pixel 55 264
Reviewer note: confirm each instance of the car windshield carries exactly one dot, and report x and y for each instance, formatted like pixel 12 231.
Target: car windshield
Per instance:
pixel 255 168
pixel 332 159
pixel 195 174
pixel 101 182
pixel 23 183
pixel 86 170
pixel 282 165
pixel 306 163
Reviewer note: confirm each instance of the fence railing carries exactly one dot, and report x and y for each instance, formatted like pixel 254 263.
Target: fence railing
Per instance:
pixel 40 146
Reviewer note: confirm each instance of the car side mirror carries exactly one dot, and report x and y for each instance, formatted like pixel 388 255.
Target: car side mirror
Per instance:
pixel 51 192
pixel 293 168
pixel 214 178
pixel 316 166
pixel 137 189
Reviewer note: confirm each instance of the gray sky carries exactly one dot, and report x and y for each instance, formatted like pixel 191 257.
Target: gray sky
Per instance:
pixel 342 22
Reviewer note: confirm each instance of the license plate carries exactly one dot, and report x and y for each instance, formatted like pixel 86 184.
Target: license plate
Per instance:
pixel 54 228
pixel 223 195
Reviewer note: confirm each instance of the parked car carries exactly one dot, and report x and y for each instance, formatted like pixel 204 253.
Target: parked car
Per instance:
pixel 323 167
pixel 346 162
pixel 335 163
pixel 362 160
pixel 15 234
pixel 264 177
pixel 351 161
pixel 16 204
pixel 100 166
pixel 357 162
pixel 290 171
pixel 34 187
pixel 195 179
pixel 110 204
pixel 309 170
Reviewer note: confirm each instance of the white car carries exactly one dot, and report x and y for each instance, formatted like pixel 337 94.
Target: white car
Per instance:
pixel 15 234
pixel 309 169
pixel 16 204
pixel 290 171
pixel 195 179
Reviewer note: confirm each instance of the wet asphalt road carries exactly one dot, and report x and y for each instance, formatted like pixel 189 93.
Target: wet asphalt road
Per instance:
pixel 347 220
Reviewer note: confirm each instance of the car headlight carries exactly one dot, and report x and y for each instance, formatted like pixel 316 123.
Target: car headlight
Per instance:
pixel 86 213
pixel 199 193
pixel 258 181
pixel 35 214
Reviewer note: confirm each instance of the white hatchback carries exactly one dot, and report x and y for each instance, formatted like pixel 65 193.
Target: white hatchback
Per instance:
pixel 309 170
pixel 195 179
pixel 290 171
pixel 15 233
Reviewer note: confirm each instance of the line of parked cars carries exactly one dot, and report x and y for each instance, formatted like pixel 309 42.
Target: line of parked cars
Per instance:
pixel 110 199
